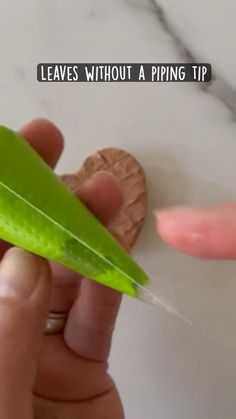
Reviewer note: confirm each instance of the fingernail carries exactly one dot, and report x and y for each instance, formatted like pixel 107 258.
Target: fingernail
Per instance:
pixel 184 222
pixel 173 214
pixel 102 174
pixel 95 177
pixel 20 272
pixel 101 180
pixel 171 210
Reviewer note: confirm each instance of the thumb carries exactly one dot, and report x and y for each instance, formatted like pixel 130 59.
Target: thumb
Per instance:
pixel 24 300
pixel 208 233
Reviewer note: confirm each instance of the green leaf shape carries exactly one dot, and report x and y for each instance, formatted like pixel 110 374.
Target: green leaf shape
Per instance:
pixel 39 214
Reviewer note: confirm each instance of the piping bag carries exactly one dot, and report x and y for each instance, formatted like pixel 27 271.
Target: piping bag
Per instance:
pixel 38 213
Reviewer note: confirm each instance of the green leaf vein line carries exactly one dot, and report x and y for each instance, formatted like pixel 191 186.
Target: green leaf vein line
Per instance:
pixel 153 299
pixel 67 231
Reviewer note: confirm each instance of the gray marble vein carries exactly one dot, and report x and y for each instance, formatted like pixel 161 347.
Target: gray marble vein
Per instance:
pixel 218 87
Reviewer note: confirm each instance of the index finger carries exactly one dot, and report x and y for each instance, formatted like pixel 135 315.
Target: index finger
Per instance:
pixel 208 233
pixel 45 138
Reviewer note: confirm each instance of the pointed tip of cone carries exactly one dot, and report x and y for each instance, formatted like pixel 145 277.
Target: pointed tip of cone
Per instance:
pixel 147 296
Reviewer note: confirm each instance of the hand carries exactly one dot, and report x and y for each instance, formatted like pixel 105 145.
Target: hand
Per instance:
pixel 60 376
pixel 208 233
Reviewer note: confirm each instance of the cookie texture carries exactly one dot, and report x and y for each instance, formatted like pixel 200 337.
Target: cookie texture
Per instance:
pixel 130 176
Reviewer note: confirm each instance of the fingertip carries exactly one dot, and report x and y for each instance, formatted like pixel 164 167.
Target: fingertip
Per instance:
pixel 207 233
pixel 166 223
pixel 102 195
pixel 46 138
pixel 184 229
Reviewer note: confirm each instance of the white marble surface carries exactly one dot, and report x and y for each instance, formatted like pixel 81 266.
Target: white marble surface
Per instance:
pixel 186 141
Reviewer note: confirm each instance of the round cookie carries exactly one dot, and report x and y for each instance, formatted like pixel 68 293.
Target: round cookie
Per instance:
pixel 131 179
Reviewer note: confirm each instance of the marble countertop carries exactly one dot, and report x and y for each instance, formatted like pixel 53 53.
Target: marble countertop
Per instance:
pixel 185 138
